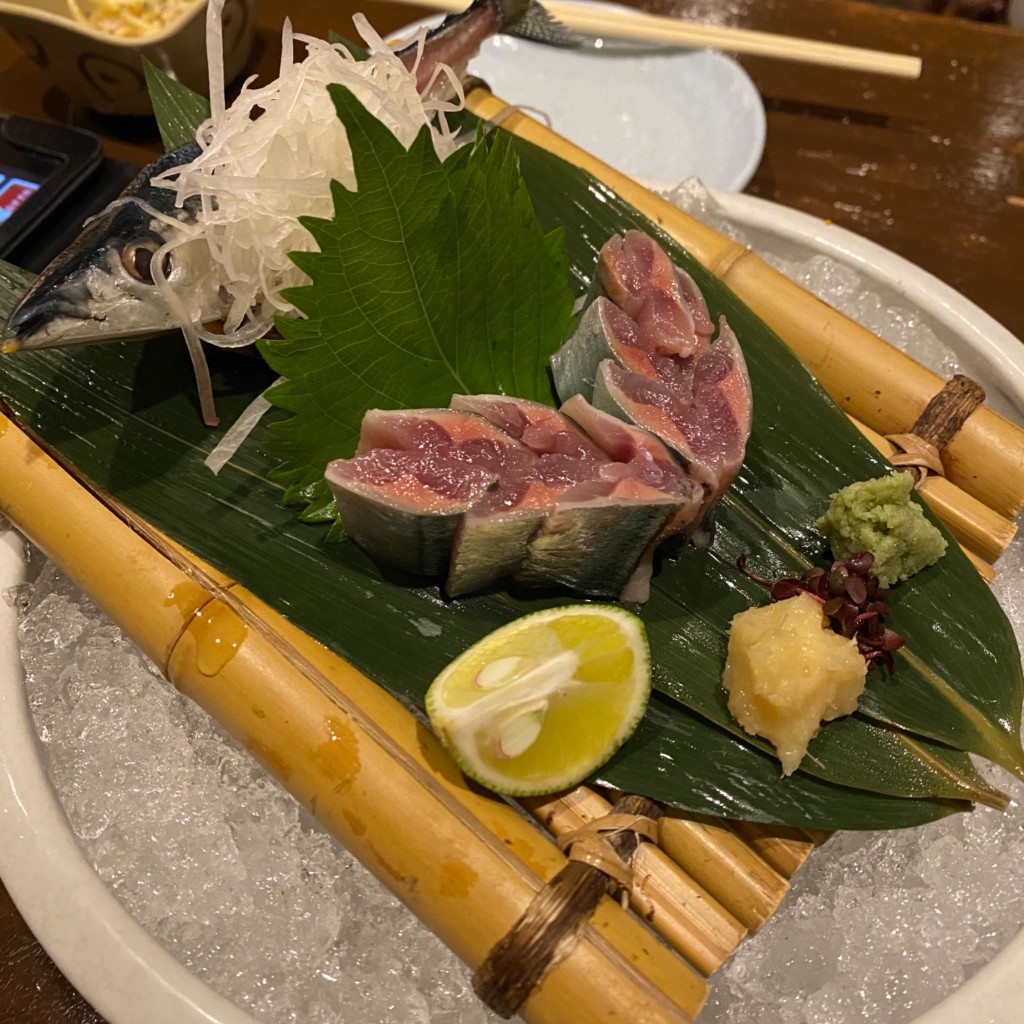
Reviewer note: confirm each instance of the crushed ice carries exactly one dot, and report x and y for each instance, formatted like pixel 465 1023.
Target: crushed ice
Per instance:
pixel 207 852
pixel 222 866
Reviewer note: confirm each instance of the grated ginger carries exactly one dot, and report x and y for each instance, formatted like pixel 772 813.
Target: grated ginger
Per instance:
pixel 786 674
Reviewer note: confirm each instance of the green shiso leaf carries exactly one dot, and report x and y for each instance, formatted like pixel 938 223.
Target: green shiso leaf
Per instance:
pixel 179 111
pixel 357 51
pixel 432 278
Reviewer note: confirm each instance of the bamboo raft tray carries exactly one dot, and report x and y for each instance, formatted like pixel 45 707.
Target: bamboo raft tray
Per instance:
pixel 467 863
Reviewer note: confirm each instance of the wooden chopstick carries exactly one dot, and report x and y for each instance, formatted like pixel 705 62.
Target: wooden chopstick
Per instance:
pixel 650 28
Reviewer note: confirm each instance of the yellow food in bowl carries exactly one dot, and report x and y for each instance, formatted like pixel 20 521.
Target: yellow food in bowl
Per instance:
pixel 128 19
pixel 94 55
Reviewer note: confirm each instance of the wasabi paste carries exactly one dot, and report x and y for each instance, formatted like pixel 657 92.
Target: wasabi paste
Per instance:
pixel 879 516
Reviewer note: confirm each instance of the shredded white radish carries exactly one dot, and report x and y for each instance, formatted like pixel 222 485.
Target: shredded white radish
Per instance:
pixel 265 161
pixel 215 56
pixel 269 159
pixel 236 434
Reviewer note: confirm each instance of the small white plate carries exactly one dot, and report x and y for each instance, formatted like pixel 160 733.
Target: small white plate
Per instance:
pixel 667 115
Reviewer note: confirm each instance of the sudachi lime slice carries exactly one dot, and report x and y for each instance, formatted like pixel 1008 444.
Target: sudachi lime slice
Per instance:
pixel 543 702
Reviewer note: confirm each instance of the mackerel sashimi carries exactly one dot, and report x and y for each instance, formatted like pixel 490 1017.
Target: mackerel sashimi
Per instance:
pixel 663 300
pixel 498 487
pixel 493 539
pixel 607 508
pixel 652 462
pixel 643 352
pixel 654 423
pixel 415 474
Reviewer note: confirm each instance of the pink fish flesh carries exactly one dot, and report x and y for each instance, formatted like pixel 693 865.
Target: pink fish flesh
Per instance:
pixel 613 505
pixel 655 464
pixel 497 488
pixel 643 352
pixel 414 476
pixel 493 539
pixel 661 298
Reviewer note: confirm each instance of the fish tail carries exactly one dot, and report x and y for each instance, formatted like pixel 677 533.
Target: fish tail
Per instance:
pixel 528 19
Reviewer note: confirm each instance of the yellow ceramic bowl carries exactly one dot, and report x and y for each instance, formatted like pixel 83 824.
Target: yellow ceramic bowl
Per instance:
pixel 105 72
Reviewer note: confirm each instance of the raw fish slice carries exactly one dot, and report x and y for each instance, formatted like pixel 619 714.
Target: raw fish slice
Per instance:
pixel 665 302
pixel 595 517
pixel 606 332
pixel 425 429
pixel 462 436
pixel 649 460
pixel 543 430
pixel 492 540
pixel 717 425
pixel 694 299
pixel 565 454
pixel 711 432
pixel 416 474
pixel 652 461
pixel 404 507
pixel 490 547
pixel 596 536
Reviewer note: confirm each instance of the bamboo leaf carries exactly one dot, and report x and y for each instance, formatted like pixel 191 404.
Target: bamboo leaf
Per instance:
pixel 963 688
pixel 684 744
pixel 708 590
pixel 179 111
pixel 132 427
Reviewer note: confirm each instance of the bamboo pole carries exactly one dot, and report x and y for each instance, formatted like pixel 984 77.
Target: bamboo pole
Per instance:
pixel 868 378
pixel 973 524
pixel 727 867
pixel 985 571
pixel 786 849
pixel 351 753
pixel 663 894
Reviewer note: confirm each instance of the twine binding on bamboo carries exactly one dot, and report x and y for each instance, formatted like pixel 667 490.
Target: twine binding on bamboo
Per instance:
pixel 916 455
pixel 599 855
pixel 920 450
pixel 589 844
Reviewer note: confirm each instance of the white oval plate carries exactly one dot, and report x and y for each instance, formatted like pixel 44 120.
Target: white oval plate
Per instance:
pixel 120 968
pixel 667 115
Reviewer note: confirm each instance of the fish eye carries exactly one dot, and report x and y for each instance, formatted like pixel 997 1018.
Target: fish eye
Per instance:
pixel 137 259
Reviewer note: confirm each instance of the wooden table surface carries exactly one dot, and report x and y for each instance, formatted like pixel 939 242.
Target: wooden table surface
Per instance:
pixel 922 167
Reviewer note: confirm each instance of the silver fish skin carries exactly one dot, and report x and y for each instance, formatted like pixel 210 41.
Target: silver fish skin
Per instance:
pixel 457 40
pixel 101 288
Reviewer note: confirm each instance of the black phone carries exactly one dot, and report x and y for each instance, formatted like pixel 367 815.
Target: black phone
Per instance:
pixel 41 165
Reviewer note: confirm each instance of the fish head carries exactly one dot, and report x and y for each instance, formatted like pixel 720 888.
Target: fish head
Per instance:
pixel 102 288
